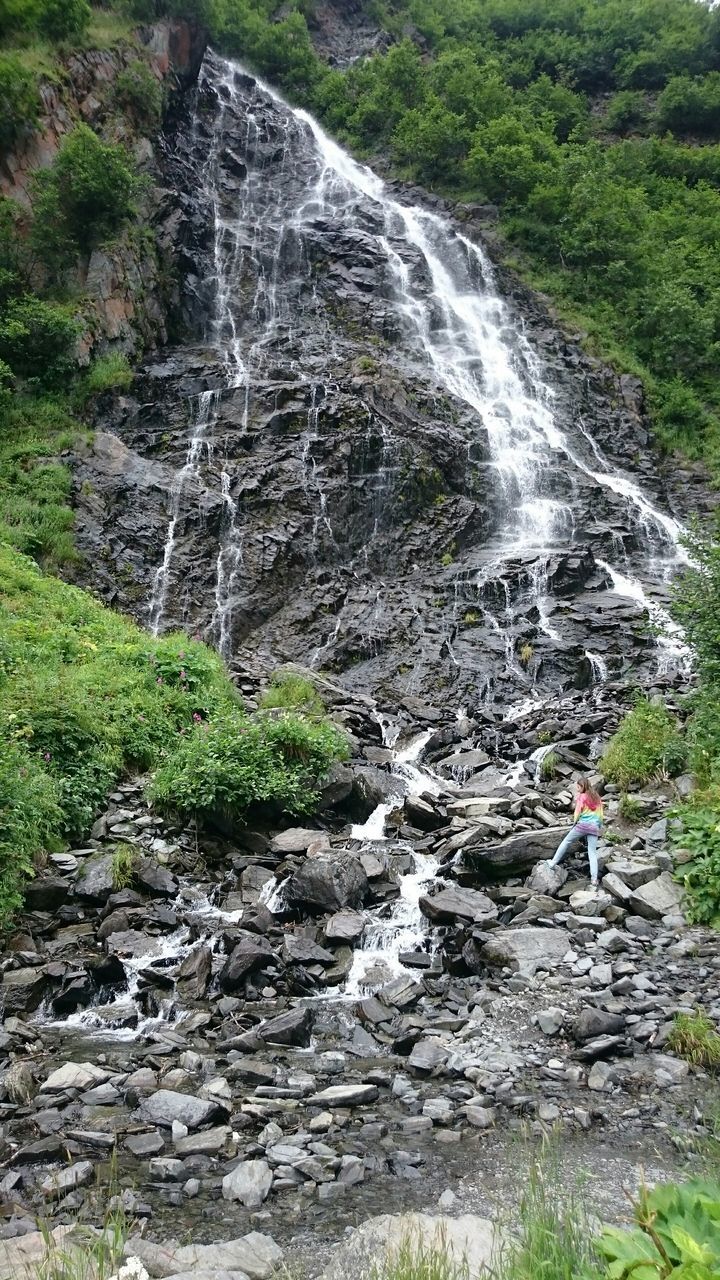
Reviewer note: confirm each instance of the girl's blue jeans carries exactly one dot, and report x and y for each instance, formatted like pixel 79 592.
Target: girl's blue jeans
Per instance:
pixel 572 838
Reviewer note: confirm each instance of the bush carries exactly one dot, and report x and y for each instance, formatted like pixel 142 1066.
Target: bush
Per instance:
pixel 694 1037
pixel 700 874
pixel 690 104
pixel 630 808
pixel 86 195
pixel 138 92
pixel 226 767
pixel 293 693
pixel 36 340
pixel 30 819
pixel 63 19
pixel 646 745
pixel 677 1235
pixel 627 111
pixel 20 98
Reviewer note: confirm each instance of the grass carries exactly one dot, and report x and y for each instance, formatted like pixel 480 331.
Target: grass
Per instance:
pixel 90 1253
pixel 292 692
pixel 630 808
pixel 35 485
pixel 108 373
pixel 416 1258
pixel 548 765
pixel 695 1038
pixel 124 864
pixel 526 654
pixel 552 1238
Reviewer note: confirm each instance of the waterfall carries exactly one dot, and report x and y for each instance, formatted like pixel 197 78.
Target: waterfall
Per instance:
pixel 294 190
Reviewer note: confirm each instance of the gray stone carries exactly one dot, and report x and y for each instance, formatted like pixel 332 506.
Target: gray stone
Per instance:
pixel 427 1055
pixel 526 950
pixel 344 926
pixel 254 1255
pixel 298 949
pixel 96 882
pixel 471 1242
pixel 545 879
pixel 633 871
pixel 657 898
pixel 166 1105
pixel 595 1022
pixel 74 1075
pixel 327 884
pixel 58 1184
pixel 208 1142
pixel 481 1117
pixel 249 1183
pixel 551 1020
pixel 456 903
pixel 193 976
pixel 345 1095
pixel 293 1027
pixel 617 888
pixel 250 952
pixel 296 840
pixel 590 902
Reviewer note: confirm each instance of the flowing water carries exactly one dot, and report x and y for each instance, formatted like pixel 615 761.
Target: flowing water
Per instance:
pixel 454 327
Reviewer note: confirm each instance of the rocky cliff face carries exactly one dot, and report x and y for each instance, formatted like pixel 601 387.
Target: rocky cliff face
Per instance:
pixel 360 457
pixel 128 286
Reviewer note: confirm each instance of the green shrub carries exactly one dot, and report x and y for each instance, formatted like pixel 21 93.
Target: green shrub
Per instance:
pixel 695 1038
pixel 63 19
pixel 20 98
pixel 107 373
pixel 226 767
pixel 82 198
pixel 124 865
pixel 138 92
pixel 627 111
pixel 677 1236
pixel 30 818
pixel 549 765
pixel 690 104
pixel 293 693
pixel 630 808
pixel 646 745
pixel 700 875
pixel 37 339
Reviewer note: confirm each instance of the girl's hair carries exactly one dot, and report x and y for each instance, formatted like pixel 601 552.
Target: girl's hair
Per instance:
pixel 588 790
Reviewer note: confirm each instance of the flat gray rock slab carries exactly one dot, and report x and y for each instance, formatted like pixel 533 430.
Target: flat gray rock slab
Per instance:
pixel 254 1255
pixel 526 950
pixel 249 1183
pixel 467 1237
pixel 658 898
pixel 165 1106
pixel 345 1095
pixel 74 1075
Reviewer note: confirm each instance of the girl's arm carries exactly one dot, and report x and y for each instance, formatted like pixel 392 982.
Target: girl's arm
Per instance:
pixel 578 808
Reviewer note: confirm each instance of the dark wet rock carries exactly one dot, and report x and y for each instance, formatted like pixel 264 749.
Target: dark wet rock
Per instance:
pixel 293 1027
pixel 324 884
pixel 46 893
pixel 344 926
pixel 250 952
pixel 459 904
pixel 296 840
pixel 514 856
pixel 23 990
pixel 193 976
pixel 155 880
pixel 300 950
pixel 96 882
pixel 591 1023
pixel 423 814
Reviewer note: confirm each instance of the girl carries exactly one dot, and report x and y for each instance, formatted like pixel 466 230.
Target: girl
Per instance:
pixel 588 821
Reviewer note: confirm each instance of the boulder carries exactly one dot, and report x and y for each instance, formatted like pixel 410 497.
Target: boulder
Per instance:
pixel 95 882
pixel 23 990
pixel 249 1183
pixel 462 764
pixel 166 1106
pixel 298 949
pixel 546 880
pixel 296 840
pixel 591 1023
pixel 657 898
pixel 590 902
pixel 254 1255
pixel 455 903
pixel 155 880
pixel 470 1242
pixel 634 872
pixel 344 1095
pixel 75 1075
pixel 293 1027
pixel 251 951
pixel 75 1175
pixel 525 950
pixel 193 976
pixel 424 815
pixel 45 893
pixel 514 856
pixel 324 884
pixel 344 926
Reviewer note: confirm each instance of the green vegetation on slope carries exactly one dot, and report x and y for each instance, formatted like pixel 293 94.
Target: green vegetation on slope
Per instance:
pixel 594 124
pixel 86 696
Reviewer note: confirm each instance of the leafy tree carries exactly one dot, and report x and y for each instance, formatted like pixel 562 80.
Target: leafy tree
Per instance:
pixel 36 339
pixel 431 140
pixel 20 98
pixel 690 104
pixel 510 156
pixel 85 195
pixel 627 111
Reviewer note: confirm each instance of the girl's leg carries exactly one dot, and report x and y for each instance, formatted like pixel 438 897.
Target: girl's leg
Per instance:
pixel 592 842
pixel 563 847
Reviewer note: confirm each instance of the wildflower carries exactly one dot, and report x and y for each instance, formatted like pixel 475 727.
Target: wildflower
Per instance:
pixel 159 680
pixel 47 756
pixel 183 676
pixel 141 717
pixel 197 717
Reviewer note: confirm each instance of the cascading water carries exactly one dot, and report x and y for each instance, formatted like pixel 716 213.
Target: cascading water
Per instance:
pixel 294 192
